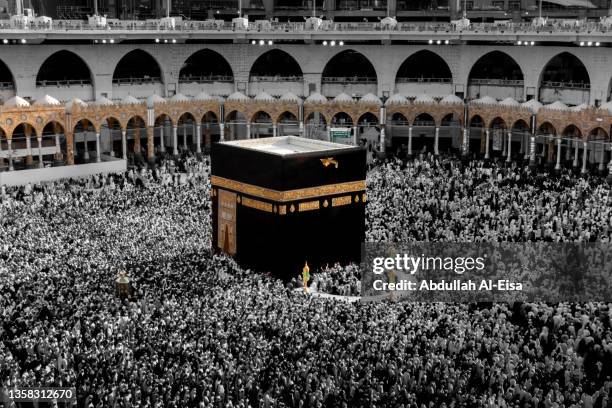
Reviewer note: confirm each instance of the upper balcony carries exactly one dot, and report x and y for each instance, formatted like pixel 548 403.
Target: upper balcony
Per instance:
pixel 572 31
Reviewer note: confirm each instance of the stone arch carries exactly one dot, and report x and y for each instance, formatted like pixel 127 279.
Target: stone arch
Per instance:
pixel 206 65
pixel 315 125
pixel 598 133
pixel 162 131
pixel 496 74
pixel 276 63
pixel 111 135
pixel 398 118
pixel 497 123
pixel 287 123
pixel 341 118
pixel 424 119
pixel 84 139
pixel 546 128
pixel 235 123
pixel 7 81
pixel 572 131
pixel 64 67
pixel 565 77
pixel 349 71
pixel 261 124
pixel 349 63
pixel 424 65
pixel 186 130
pixel 138 65
pixel 135 130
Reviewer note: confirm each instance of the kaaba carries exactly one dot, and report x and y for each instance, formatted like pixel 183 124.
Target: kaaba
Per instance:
pixel 279 202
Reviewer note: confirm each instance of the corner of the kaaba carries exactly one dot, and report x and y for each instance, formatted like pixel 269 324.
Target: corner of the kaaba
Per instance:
pixel 274 213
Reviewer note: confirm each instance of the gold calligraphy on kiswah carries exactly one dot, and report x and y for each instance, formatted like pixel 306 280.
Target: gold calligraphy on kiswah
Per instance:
pixel 289 195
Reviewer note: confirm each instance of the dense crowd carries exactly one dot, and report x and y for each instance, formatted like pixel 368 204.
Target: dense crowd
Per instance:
pixel 202 332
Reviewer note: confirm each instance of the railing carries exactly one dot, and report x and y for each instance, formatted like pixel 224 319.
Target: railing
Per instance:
pixel 6 86
pixel 424 80
pixel 276 78
pixel 566 85
pixel 497 82
pixel 349 80
pixel 206 78
pixel 136 81
pixel 64 82
pixel 189 26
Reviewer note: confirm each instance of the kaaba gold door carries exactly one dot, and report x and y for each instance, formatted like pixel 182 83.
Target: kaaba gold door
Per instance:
pixel 226 234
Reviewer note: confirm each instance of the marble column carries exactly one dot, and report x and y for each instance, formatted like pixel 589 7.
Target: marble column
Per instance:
pixel 532 151
pixel 198 137
pixel 175 140
pixel 576 145
pixel 98 158
pixel 585 156
pixel 410 140
pixel 487 142
pixel 86 153
pixel 124 143
pixel 558 165
pixel 162 138
pixel 509 158
pixel 9 142
pixel 40 155
pixel 437 141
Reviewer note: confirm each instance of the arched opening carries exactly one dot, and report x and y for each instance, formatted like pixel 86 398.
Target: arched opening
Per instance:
pixel 162 133
pixel 315 126
pixel 137 74
pixel 498 141
pixel 186 132
pixel 545 138
pixel 84 141
pixel 598 141
pixel 276 72
pixel 275 65
pixel 261 125
pixel 341 128
pixel 110 137
pixel 63 68
pixel 423 132
pixel 206 66
pixel 368 130
pixel 351 72
pixel 4 152
pixel 53 143
pixel 450 132
pixel 565 78
pixel 7 82
pixel 342 119
pixel 397 132
pixel 135 132
pixel 520 137
pixel 206 69
pixel 210 129
pixel 235 126
pixel 23 146
pixel 572 141
pixel 477 141
pixel 288 124
pixel 498 75
pixel 424 72
pixel 65 75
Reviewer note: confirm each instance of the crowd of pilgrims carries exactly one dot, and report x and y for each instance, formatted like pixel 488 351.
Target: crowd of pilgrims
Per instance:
pixel 202 332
